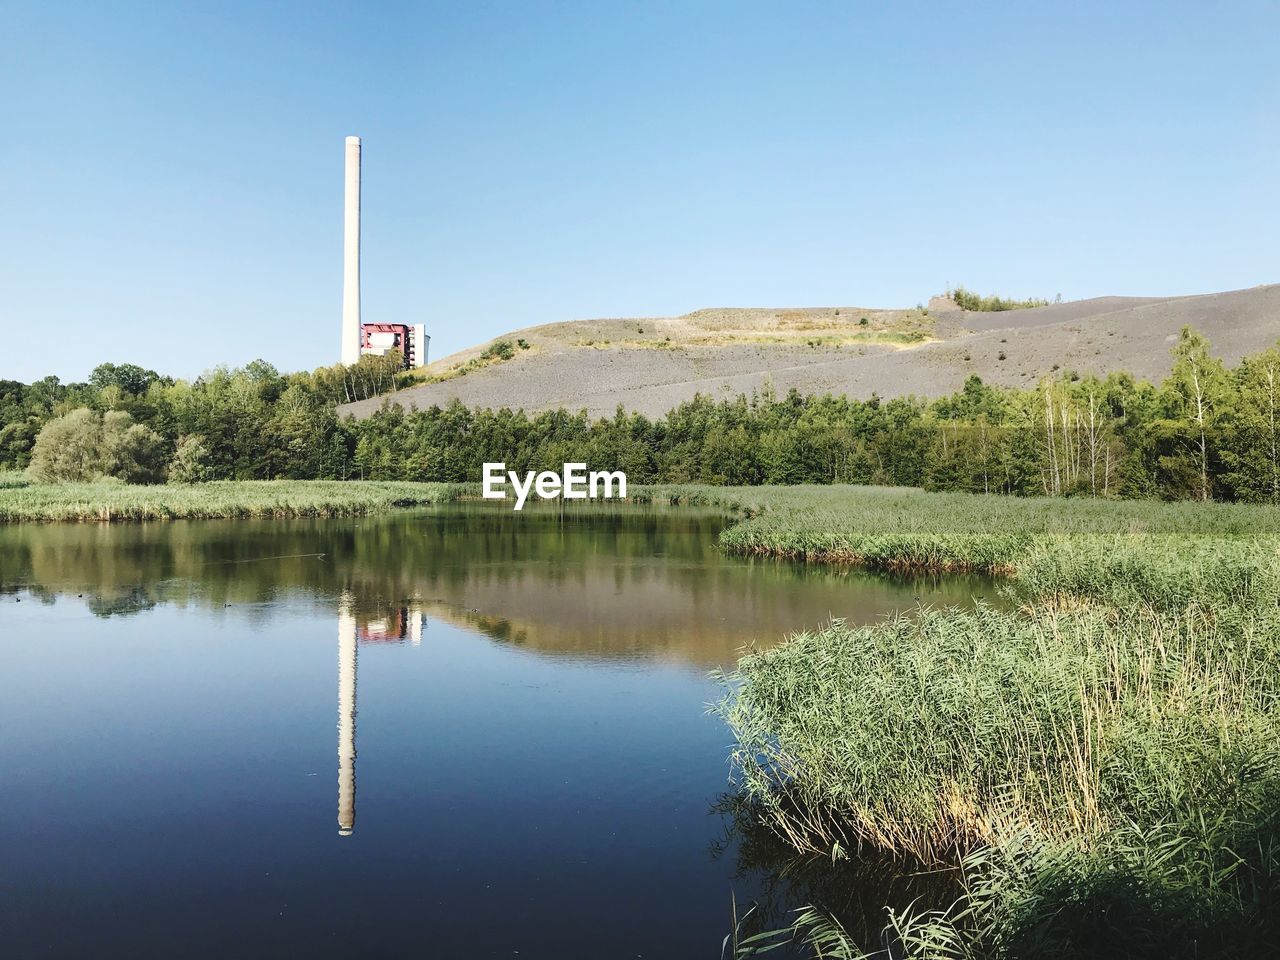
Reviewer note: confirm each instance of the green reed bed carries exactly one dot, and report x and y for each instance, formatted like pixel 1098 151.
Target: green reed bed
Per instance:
pixel 10 479
pixel 929 735
pixel 1102 757
pixel 109 501
pixel 911 529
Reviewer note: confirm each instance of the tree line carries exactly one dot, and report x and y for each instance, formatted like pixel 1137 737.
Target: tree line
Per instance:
pixel 1204 432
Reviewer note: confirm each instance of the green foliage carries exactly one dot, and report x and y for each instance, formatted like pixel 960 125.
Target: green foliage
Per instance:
pixel 498 350
pixel 85 445
pixel 69 448
pixel 1206 432
pixel 922 736
pixel 1250 429
pixel 1098 752
pixel 128 378
pixel 1084 544
pixel 274 498
pixel 968 300
pixel 191 461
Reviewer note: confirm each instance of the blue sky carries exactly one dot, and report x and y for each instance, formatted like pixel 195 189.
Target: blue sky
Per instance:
pixel 173 171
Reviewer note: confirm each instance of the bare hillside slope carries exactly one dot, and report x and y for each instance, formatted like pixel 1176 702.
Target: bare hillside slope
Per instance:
pixel 652 364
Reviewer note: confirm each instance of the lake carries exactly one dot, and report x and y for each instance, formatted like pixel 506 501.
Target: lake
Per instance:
pixel 451 732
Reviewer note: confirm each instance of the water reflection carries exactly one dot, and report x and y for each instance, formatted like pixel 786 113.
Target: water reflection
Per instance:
pixel 541 771
pixel 395 625
pixel 346 720
pixel 589 584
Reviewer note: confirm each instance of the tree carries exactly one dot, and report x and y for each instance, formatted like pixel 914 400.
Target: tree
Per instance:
pixel 69 448
pixel 16 440
pixel 85 445
pixel 1251 452
pixel 128 377
pixel 133 452
pixel 1193 394
pixel 191 461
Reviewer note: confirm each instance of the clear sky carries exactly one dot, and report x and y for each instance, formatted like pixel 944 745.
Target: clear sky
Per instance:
pixel 173 171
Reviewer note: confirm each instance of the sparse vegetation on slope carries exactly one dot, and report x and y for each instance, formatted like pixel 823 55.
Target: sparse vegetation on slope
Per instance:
pixel 651 365
pixel 497 352
pixel 968 300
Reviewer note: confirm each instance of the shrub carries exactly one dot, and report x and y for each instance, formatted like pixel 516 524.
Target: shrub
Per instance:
pixel 85 445
pixel 968 300
pixel 499 350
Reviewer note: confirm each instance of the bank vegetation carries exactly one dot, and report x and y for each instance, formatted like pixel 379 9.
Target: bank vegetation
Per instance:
pixel 1205 433
pixel 1097 759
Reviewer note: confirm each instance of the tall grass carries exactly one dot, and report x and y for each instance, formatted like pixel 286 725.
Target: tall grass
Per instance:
pixel 928 735
pixel 1103 756
pixel 108 501
pixel 907 528
pixel 11 479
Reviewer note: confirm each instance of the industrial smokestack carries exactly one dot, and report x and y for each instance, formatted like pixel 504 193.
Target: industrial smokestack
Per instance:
pixel 351 257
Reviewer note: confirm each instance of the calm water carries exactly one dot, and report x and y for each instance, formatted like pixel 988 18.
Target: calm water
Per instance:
pixel 452 733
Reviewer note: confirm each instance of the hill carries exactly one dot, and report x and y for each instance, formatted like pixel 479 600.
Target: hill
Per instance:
pixel 652 364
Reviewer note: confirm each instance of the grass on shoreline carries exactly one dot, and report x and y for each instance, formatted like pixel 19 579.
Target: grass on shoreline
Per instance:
pixel 107 501
pixel 1101 759
pixel 880 527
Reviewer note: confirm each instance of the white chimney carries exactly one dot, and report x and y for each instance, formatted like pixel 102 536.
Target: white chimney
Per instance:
pixel 351 257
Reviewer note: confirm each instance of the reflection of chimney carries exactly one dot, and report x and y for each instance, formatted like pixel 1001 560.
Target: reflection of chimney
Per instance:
pixel 346 718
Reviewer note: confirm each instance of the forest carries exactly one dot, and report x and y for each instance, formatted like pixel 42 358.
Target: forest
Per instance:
pixel 1206 432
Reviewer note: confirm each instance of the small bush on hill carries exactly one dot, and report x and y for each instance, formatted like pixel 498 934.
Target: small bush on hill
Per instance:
pixel 499 350
pixel 968 300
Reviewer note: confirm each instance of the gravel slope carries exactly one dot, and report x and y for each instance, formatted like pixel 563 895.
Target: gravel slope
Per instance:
pixel 652 364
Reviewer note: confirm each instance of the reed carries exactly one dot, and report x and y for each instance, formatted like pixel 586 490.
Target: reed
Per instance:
pixel 929 735
pixel 1100 755
pixel 907 528
pixel 108 501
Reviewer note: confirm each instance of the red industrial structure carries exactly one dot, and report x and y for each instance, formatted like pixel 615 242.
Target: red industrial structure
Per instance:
pixel 379 339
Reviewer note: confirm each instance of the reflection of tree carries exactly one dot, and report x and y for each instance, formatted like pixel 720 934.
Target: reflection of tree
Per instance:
pixel 252 561
pixel 626 584
pixel 125 602
pixel 497 628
